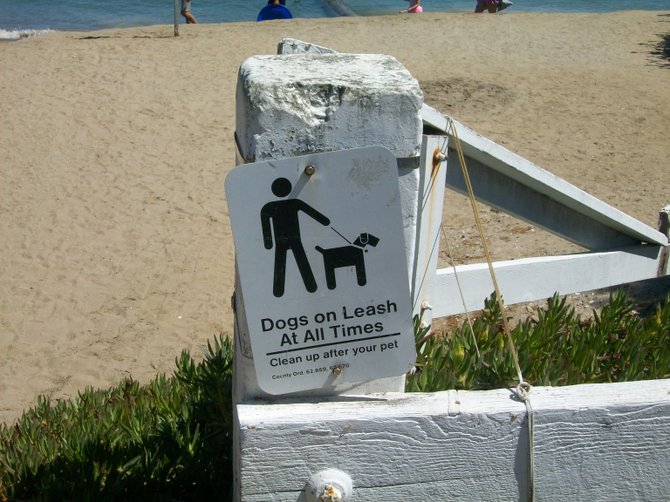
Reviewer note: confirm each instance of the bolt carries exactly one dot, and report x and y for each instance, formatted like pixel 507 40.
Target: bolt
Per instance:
pixel 329 485
pixel 310 169
pixel 439 156
pixel 331 494
pixel 337 370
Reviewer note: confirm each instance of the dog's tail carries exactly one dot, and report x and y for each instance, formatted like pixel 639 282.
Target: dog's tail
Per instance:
pixel 319 249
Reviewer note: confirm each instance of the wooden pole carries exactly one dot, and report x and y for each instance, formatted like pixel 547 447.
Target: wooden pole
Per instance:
pixel 176 18
pixel 356 107
pixel 355 101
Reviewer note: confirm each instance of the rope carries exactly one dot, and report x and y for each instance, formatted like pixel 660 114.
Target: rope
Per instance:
pixel 460 291
pixel 523 389
pixel 523 394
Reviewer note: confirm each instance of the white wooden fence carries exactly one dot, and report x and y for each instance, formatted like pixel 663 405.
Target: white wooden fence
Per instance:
pixel 592 443
pixel 364 443
pixel 621 249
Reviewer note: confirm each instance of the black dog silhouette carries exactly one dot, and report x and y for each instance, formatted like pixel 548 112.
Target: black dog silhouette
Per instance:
pixel 347 256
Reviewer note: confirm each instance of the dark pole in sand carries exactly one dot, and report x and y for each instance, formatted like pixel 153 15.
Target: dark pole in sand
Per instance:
pixel 176 18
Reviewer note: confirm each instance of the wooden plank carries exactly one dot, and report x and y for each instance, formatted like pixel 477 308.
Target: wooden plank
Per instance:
pixel 527 203
pixel 531 279
pixel 516 185
pixel 592 442
pixel 429 220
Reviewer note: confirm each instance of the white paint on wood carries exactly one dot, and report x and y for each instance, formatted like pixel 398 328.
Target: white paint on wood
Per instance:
pixel 289 105
pixel 517 186
pixel 589 216
pixel 294 46
pixel 592 442
pixel 429 221
pixel 531 279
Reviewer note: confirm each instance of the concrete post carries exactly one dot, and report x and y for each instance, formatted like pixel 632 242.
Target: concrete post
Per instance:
pixel 291 105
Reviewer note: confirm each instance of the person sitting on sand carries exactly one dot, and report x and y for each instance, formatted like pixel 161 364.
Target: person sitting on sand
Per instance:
pixel 487 5
pixel 414 7
pixel 492 6
pixel 274 10
pixel 186 12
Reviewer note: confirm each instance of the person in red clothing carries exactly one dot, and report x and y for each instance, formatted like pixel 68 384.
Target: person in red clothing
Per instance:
pixel 414 7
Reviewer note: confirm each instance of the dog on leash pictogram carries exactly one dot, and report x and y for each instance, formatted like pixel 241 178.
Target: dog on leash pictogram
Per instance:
pixel 347 256
pixel 281 230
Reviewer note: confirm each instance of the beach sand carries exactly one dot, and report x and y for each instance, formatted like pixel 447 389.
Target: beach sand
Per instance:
pixel 115 244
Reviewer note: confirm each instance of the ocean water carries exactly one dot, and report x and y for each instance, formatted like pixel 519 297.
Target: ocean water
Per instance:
pixel 20 18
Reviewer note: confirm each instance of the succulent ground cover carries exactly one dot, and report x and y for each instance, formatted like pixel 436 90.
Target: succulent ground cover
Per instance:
pixel 172 438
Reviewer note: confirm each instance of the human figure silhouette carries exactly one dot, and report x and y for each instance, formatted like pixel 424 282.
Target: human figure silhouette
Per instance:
pixel 280 218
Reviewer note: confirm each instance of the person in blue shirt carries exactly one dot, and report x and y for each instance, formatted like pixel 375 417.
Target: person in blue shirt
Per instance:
pixel 275 9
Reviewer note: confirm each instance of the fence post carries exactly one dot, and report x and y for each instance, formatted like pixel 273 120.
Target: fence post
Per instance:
pixel 429 222
pixel 291 105
pixel 176 18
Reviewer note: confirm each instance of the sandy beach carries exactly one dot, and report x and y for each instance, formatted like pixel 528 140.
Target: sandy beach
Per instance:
pixel 115 245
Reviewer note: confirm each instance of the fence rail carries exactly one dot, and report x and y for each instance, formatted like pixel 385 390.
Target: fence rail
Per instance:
pixel 592 442
pixel 604 442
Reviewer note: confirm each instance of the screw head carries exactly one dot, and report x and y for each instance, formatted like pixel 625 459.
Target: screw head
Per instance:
pixel 329 485
pixel 310 169
pixel 439 156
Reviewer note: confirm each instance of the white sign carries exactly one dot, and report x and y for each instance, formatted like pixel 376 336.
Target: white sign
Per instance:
pixel 322 268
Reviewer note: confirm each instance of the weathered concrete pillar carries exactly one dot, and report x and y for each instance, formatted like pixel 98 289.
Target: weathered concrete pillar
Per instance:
pixel 291 105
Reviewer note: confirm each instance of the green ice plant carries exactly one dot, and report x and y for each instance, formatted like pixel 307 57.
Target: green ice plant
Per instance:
pixel 169 439
pixel 556 348
pixel 172 438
